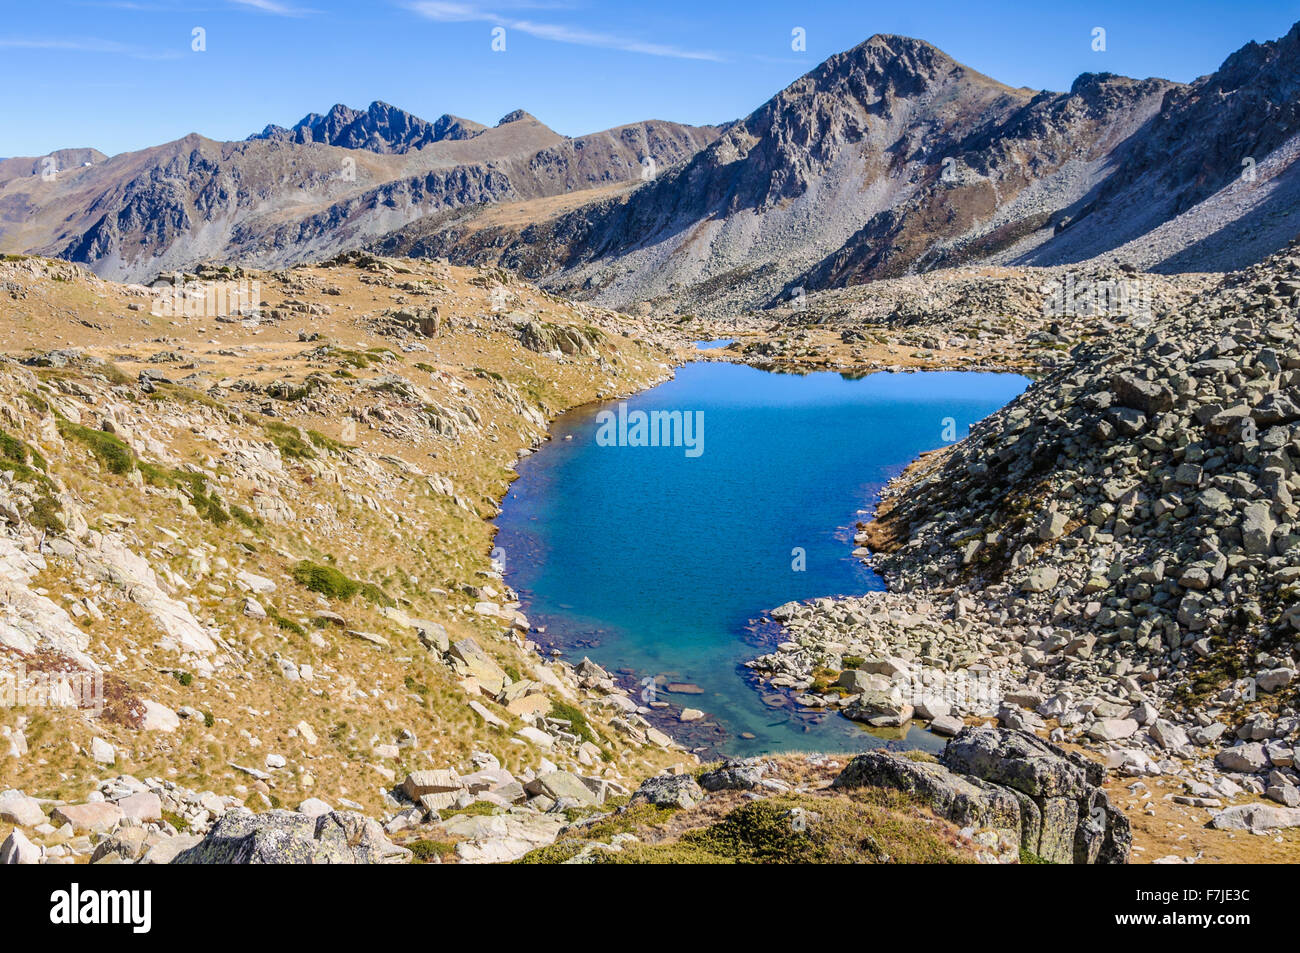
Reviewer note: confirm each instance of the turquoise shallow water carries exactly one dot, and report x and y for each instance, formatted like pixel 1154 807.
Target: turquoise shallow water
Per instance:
pixel 654 562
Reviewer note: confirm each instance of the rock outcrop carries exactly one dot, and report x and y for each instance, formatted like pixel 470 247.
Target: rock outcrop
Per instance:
pixel 1023 793
pixel 287 837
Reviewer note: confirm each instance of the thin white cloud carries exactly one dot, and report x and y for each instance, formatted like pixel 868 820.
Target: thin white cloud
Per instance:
pixel 84 45
pixel 448 12
pixel 274 7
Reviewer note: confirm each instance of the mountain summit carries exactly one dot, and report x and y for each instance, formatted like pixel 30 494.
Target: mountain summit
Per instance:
pixel 379 128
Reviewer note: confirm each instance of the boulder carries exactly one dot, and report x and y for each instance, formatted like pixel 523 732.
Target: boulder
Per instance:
pixel 166 849
pixel 501 838
pixel 1112 729
pixel 287 837
pixel 966 801
pixel 478 664
pixel 1247 758
pixel 734 774
pixel 670 790
pixel 946 725
pixel 17 808
pixel 314 807
pixel 124 846
pixel 434 790
pixel 93 816
pixel 142 805
pixel 158 717
pixel 561 785
pixel 879 709
pixel 102 752
pixel 17 849
pixel 1022 761
pixel 1168 736
pixel 1042 579
pixel 1256 817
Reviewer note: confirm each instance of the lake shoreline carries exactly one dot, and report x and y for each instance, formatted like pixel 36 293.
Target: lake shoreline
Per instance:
pixel 699 731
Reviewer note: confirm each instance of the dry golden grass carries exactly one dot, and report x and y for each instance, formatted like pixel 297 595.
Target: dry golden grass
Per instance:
pixel 373 514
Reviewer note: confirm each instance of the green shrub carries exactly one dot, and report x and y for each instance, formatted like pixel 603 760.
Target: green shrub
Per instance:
pixel 377 595
pixel 284 623
pixel 112 453
pixel 246 518
pixel 205 502
pixel 576 719
pixel 326 580
pixel 288 440
pixel 45 515
pixel 326 442
pixel 423 851
pixel 19 458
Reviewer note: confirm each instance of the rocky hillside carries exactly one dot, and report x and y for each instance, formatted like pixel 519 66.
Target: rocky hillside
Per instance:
pixel 1112 558
pixel 1210 182
pixel 251 521
pixel 967 318
pixel 329 185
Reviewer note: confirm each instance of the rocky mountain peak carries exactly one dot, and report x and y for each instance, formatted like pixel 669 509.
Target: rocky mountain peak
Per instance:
pixel 518 115
pixel 381 128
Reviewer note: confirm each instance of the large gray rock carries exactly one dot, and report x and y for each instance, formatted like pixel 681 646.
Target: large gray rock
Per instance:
pixel 1022 761
pixel 1256 817
pixel 563 786
pixel 1150 397
pixel 670 790
pixel 93 816
pixel 966 801
pixel 168 848
pixel 287 837
pixel 880 709
pixel 17 808
pixel 1247 758
pixel 475 662
pixel 734 774
pixel 17 849
pixel 1076 822
pixel 1045 799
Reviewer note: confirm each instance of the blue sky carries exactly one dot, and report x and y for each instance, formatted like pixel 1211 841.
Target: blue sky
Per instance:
pixel 122 74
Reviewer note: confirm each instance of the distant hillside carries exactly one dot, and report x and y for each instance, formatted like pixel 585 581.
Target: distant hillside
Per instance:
pixel 331 183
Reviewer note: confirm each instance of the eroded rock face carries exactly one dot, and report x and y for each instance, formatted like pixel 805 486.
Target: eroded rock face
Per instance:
pixel 545 338
pixel 1013 785
pixel 286 837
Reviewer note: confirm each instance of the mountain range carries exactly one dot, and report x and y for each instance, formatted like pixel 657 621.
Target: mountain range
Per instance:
pixel 886 159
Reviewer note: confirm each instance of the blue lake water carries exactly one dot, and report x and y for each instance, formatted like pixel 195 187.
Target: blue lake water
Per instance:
pixel 711 345
pixel 654 562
